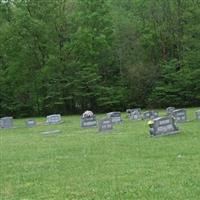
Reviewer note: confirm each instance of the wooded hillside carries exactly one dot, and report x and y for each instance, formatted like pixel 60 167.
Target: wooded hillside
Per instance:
pixel 66 56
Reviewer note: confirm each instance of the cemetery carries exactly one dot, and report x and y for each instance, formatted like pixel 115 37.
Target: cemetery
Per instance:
pixel 99 100
pixel 72 149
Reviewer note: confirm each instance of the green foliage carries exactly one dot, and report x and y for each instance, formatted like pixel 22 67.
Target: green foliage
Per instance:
pixel 70 55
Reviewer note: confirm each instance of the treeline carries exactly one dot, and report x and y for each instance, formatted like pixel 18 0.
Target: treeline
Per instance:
pixel 65 56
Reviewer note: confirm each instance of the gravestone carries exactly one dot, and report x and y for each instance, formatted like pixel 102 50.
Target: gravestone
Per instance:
pixel 54 119
pixel 180 115
pixel 30 123
pixel 198 114
pixel 170 110
pixel 154 114
pixel 135 115
pixel 115 117
pixel 163 126
pixel 6 122
pixel 150 115
pixel 129 111
pixel 88 122
pixel 105 125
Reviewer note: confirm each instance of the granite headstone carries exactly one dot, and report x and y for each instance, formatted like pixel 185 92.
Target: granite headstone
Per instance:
pixel 6 122
pixel 30 123
pixel 150 115
pixel 115 117
pixel 135 115
pixel 170 110
pixel 180 115
pixel 54 119
pixel 198 114
pixel 105 125
pixel 88 122
pixel 163 126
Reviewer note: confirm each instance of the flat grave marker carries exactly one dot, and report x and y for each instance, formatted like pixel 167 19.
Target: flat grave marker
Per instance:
pixel 163 126
pixel 51 132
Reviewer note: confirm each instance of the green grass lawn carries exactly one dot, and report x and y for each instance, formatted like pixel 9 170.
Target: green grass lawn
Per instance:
pixel 84 164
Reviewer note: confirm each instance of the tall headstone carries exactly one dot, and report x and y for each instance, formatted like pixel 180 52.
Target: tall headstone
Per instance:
pixel 198 114
pixel 6 122
pixel 88 122
pixel 163 126
pixel 30 123
pixel 115 117
pixel 54 119
pixel 170 110
pixel 105 125
pixel 180 115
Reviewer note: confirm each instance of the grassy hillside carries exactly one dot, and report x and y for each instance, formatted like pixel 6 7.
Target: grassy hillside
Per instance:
pixel 84 164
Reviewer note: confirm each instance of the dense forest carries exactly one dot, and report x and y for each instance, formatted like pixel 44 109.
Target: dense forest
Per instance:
pixel 65 56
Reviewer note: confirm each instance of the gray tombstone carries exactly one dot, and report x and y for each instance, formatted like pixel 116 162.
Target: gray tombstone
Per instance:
pixel 135 115
pixel 198 114
pixel 54 119
pixel 7 122
pixel 88 122
pixel 180 115
pixel 30 123
pixel 163 126
pixel 170 110
pixel 129 111
pixel 115 117
pixel 105 125
pixel 150 115
pixel 147 115
pixel 154 114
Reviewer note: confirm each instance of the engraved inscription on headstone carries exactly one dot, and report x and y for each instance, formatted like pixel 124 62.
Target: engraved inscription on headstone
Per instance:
pixel 180 115
pixel 150 115
pixel 163 126
pixel 198 114
pixel 115 117
pixel 54 119
pixel 88 122
pixel 30 123
pixel 6 122
pixel 169 110
pixel 105 125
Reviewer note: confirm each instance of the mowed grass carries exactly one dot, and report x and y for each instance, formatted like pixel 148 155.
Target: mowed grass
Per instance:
pixel 84 164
